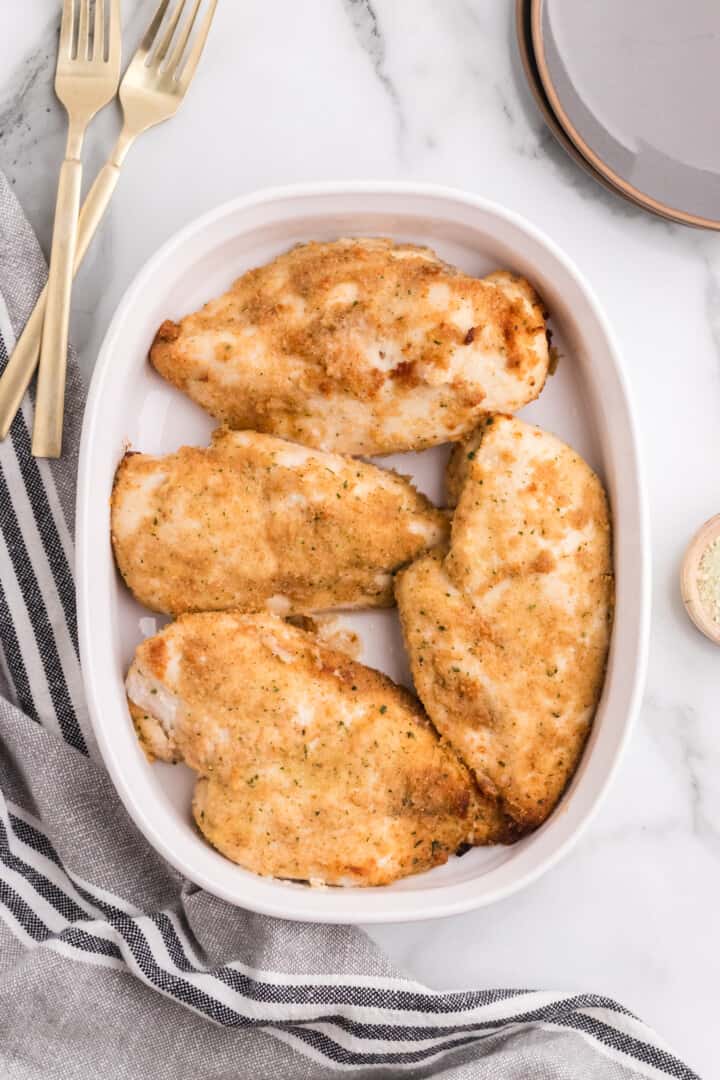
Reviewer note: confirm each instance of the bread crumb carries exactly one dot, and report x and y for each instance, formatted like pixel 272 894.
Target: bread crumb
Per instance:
pixel 708 580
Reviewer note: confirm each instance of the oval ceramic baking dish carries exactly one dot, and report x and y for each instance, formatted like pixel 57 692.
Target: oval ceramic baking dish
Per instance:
pixel 586 403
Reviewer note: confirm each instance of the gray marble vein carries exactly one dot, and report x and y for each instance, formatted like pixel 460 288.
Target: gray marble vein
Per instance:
pixel 685 739
pixel 366 25
pixel 32 127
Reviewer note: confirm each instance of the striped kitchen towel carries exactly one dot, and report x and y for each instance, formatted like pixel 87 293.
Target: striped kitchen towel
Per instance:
pixel 111 965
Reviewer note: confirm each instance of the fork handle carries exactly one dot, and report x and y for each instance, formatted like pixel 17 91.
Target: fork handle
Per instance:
pixel 21 365
pixel 50 400
pixel 94 207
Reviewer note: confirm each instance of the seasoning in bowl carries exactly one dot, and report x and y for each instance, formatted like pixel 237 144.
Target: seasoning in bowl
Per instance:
pixel 700 579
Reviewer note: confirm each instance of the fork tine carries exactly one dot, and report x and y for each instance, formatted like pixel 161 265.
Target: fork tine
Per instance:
pixel 181 44
pixel 66 28
pixel 83 44
pixel 167 37
pixel 99 31
pixel 186 75
pixel 148 39
pixel 114 33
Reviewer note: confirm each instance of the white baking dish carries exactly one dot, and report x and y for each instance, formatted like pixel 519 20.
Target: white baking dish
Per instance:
pixel 586 403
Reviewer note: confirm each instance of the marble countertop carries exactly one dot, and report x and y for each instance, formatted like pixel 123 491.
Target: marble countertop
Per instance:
pixel 347 89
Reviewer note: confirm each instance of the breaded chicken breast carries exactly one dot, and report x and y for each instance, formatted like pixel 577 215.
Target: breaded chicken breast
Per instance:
pixel 311 766
pixel 360 346
pixel 508 630
pixel 256 522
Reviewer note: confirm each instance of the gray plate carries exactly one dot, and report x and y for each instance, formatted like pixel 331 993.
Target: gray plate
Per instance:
pixel 527 57
pixel 635 86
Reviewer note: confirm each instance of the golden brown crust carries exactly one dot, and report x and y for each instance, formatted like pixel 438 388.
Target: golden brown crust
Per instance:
pixel 360 346
pixel 168 333
pixel 311 766
pixel 508 631
pixel 253 522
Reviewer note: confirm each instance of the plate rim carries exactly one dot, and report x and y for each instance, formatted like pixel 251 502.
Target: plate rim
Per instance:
pixel 404 907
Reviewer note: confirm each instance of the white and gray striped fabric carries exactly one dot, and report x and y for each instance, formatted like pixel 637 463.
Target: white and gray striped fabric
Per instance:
pixel 111 964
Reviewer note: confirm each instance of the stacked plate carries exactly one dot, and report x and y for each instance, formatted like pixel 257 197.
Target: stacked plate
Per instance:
pixel 629 90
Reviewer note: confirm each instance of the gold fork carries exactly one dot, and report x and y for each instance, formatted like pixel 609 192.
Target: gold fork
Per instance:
pixel 86 80
pixel 151 91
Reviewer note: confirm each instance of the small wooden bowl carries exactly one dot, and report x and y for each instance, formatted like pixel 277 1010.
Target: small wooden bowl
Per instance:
pixel 688 579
